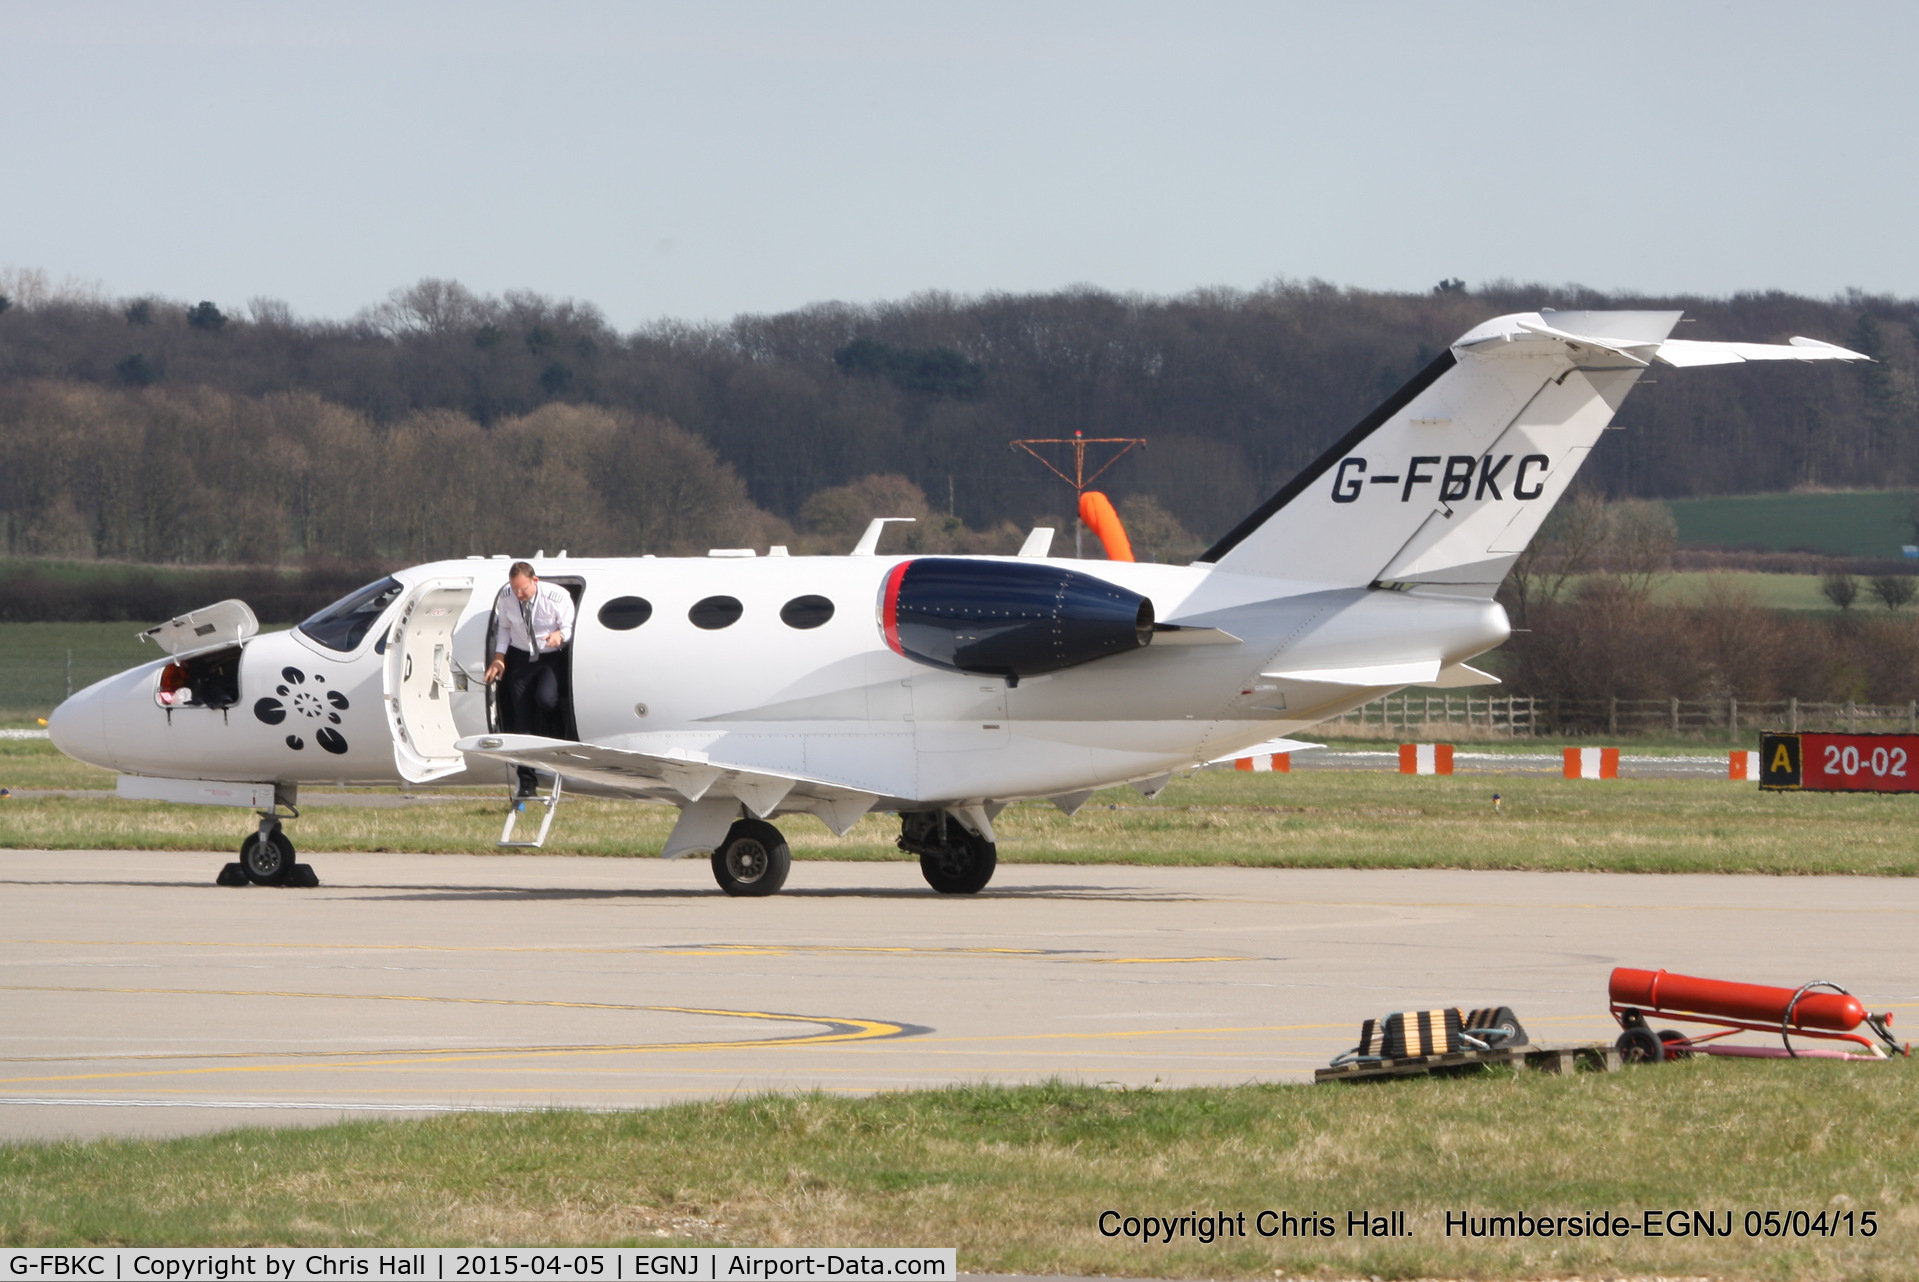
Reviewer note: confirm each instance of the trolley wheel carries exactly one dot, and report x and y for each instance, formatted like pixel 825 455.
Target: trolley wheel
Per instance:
pixel 1675 1044
pixel 1641 1046
pixel 753 860
pixel 267 861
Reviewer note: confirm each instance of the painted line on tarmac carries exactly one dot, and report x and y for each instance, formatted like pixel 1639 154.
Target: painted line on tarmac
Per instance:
pixel 840 1031
pixel 663 950
pixel 103 1101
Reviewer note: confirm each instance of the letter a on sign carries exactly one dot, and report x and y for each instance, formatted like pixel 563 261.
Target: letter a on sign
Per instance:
pixel 1779 761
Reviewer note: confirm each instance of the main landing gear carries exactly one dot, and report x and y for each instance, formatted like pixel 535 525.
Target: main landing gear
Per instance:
pixel 753 860
pixel 953 859
pixel 266 856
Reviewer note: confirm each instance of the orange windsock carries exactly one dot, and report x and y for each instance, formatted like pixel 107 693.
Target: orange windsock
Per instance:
pixel 1096 510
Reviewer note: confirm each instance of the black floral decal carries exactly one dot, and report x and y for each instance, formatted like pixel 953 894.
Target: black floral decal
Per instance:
pixel 308 704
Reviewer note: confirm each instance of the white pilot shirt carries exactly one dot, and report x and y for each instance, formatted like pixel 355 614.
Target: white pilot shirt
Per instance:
pixel 552 609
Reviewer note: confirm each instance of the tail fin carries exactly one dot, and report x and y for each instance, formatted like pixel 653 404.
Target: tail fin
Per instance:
pixel 1447 482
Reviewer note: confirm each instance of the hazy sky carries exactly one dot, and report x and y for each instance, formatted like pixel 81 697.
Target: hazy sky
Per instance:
pixel 698 160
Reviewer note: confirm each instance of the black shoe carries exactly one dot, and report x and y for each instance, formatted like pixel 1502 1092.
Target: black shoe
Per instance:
pixel 529 786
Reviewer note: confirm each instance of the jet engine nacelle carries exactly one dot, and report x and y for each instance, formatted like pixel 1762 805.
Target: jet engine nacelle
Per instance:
pixel 1006 619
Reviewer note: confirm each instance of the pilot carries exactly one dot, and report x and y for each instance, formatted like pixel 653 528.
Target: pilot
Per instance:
pixel 533 626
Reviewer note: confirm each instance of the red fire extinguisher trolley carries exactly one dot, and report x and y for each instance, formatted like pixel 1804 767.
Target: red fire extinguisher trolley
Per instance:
pixel 1819 1009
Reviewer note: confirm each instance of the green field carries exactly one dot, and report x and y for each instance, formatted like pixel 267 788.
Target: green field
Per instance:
pixel 34 657
pixel 1017 1178
pixel 1309 819
pixel 1775 591
pixel 1864 523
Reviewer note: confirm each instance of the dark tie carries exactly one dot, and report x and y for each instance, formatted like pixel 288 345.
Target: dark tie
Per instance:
pixel 526 612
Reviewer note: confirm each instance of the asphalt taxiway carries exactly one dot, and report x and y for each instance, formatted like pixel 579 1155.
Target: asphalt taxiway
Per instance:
pixel 140 999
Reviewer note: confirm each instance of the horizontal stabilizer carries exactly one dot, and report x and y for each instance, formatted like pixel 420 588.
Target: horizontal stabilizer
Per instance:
pixel 1424 672
pixel 1182 634
pixel 1457 676
pixel 1684 352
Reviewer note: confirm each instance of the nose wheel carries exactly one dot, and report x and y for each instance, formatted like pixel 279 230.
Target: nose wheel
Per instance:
pixel 266 859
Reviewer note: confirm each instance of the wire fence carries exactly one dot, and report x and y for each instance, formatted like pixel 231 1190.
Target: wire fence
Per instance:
pixel 1527 716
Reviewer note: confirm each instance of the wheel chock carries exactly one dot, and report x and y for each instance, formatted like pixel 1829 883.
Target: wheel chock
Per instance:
pixel 231 875
pixel 302 877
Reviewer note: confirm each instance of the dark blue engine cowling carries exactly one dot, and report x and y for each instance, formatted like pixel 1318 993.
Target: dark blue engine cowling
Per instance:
pixel 1008 619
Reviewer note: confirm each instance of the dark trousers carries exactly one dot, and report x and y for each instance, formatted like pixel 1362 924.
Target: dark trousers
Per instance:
pixel 530 700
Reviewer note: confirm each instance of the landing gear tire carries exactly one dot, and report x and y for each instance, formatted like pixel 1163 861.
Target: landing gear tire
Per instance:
pixel 267 860
pixel 964 866
pixel 753 860
pixel 1641 1046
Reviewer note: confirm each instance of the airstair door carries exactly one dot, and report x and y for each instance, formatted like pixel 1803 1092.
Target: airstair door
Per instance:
pixel 419 680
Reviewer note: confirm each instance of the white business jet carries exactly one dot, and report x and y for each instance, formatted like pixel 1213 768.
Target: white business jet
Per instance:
pixel 742 688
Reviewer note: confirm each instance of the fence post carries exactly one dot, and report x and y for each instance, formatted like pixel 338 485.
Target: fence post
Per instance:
pixel 1852 716
pixel 69 672
pixel 1792 714
pixel 1612 715
pixel 1732 719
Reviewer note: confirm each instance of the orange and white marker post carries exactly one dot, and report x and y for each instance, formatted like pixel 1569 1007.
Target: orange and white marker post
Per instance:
pixel 1279 763
pixel 1743 765
pixel 1592 763
pixel 1425 758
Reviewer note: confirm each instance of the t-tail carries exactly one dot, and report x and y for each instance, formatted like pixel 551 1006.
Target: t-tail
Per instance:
pixel 1446 483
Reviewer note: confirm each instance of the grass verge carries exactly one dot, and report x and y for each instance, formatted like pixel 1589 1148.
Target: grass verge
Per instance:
pixel 1317 819
pixel 1017 1178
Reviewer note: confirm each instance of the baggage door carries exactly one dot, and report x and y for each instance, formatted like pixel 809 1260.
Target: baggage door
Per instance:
pixel 419 683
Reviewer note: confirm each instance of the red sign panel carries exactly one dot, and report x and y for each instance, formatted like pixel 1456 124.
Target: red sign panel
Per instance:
pixel 1839 762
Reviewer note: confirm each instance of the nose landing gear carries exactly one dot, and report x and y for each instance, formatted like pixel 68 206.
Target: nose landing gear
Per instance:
pixel 266 856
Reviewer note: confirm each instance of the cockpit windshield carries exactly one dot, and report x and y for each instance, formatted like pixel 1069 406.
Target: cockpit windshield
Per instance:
pixel 343 625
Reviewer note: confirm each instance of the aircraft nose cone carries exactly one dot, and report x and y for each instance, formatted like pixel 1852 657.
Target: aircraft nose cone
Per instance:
pixel 78 728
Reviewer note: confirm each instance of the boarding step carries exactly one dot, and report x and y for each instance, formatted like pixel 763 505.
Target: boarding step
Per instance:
pixel 517 807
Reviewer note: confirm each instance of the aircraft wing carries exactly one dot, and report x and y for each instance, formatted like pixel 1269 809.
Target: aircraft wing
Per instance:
pixel 1261 749
pixel 691 776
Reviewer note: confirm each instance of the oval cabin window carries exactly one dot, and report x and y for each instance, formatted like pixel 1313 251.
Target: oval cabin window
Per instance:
pixel 806 612
pixel 716 612
pixel 624 613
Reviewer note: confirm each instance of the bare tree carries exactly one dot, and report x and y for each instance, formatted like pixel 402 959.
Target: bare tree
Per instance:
pixel 428 306
pixel 1893 590
pixel 1840 589
pixel 1640 538
pixel 1567 546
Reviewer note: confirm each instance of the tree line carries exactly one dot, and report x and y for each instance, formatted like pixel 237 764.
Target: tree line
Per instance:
pixel 1233 390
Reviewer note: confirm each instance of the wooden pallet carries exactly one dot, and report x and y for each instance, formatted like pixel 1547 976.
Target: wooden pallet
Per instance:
pixel 1599 1056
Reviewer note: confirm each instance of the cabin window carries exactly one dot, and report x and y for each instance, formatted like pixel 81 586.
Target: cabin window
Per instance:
pixel 343 625
pixel 624 613
pixel 716 612
pixel 806 612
